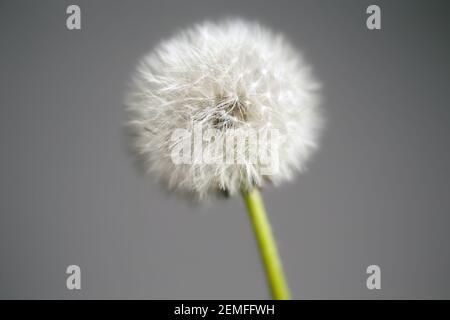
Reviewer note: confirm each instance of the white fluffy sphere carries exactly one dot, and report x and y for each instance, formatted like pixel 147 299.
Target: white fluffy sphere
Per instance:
pixel 228 78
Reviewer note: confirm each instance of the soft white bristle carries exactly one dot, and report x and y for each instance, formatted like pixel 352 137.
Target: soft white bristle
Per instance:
pixel 228 77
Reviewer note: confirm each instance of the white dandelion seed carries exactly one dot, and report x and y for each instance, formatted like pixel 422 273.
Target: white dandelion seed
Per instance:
pixel 230 76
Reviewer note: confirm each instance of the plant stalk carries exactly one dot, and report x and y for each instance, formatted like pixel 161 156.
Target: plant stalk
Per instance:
pixel 266 244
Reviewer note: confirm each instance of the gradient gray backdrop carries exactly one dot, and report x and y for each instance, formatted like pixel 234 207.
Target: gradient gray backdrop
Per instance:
pixel 376 193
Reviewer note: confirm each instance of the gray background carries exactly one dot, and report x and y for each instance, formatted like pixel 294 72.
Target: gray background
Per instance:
pixel 376 193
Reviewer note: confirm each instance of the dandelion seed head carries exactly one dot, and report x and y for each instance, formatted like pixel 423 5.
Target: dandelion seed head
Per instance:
pixel 228 77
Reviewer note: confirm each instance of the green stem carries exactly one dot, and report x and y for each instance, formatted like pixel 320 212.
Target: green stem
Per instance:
pixel 266 244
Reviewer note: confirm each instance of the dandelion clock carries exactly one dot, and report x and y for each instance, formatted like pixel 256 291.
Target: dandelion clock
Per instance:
pixel 226 107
